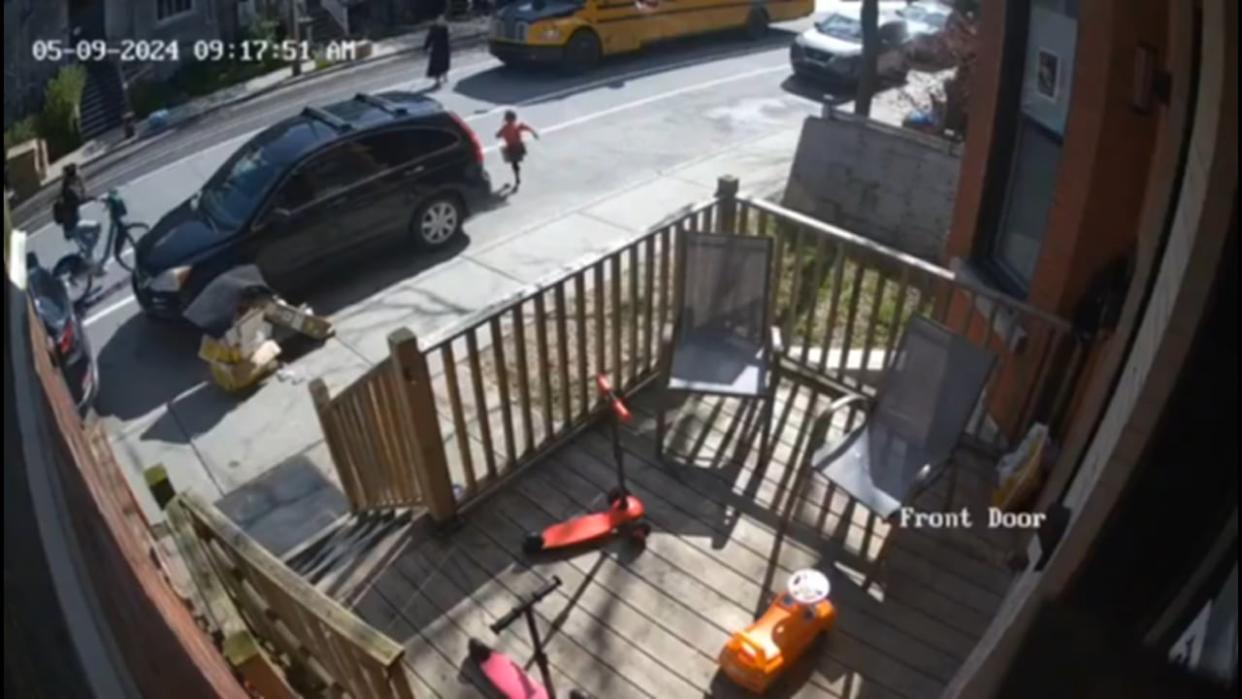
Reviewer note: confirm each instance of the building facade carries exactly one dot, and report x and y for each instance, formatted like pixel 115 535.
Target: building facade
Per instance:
pixel 27 21
pixel 1099 182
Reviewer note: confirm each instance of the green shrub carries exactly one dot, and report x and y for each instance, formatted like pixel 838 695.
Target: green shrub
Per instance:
pixel 20 132
pixel 152 96
pixel 58 122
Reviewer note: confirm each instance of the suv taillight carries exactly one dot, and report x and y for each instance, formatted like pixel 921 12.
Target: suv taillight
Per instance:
pixel 67 340
pixel 474 138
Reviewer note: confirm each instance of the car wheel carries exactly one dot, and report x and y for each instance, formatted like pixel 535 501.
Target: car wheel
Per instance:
pixel 583 51
pixel 757 24
pixel 78 276
pixel 437 221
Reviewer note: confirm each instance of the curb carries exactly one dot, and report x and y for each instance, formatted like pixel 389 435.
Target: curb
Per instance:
pixel 125 149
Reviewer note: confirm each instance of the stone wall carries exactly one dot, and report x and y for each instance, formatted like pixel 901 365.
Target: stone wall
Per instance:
pixel 891 185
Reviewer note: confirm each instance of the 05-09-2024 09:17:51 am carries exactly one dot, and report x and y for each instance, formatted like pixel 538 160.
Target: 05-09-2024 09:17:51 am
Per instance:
pixel 208 50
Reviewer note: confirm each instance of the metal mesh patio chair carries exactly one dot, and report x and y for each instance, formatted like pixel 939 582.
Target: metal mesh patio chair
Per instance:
pixel 915 422
pixel 723 343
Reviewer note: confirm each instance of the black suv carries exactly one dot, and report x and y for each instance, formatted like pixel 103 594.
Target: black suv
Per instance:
pixel 314 187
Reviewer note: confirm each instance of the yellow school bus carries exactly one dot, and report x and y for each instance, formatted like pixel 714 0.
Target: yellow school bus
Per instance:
pixel 577 33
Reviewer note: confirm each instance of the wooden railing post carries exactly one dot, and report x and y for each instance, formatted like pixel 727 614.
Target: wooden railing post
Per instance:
pixel 726 202
pixel 332 437
pixel 419 415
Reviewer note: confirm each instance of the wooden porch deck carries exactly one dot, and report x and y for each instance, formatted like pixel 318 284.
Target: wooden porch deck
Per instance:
pixel 627 623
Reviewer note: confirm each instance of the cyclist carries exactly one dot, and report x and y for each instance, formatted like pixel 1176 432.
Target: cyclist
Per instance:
pixel 67 208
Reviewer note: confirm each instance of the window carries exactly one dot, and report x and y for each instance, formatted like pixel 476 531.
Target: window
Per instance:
pixel 295 193
pixel 341 168
pixel 841 27
pixel 168 9
pixel 232 194
pixel 397 148
pixel 1019 237
pixel 1036 91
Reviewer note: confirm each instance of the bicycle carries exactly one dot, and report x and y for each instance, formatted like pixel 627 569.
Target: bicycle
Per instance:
pixel 79 270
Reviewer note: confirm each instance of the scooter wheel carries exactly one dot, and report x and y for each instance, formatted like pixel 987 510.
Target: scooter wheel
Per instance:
pixel 533 543
pixel 641 531
pixel 479 651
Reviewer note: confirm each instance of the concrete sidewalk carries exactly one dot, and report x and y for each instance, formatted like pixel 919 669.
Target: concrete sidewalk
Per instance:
pixel 262 456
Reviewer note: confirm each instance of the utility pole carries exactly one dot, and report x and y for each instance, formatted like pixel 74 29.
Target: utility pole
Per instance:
pixel 867 79
pixel 295 33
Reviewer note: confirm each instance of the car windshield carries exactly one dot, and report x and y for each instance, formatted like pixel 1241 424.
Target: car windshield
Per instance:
pixel 841 27
pixel 231 197
pixel 243 182
pixel 932 18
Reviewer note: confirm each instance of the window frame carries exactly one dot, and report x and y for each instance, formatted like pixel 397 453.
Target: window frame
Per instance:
pixel 410 131
pixel 991 257
pixel 318 157
pixel 176 14
pixel 1006 123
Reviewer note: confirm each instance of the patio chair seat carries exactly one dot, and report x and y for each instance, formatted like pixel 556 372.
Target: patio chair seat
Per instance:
pixel 723 342
pixel 878 469
pixel 719 363
pixel 924 404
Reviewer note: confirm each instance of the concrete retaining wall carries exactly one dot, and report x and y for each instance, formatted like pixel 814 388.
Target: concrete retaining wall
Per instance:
pixel 892 185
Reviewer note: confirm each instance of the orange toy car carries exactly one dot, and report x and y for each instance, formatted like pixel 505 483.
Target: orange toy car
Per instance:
pixel 755 657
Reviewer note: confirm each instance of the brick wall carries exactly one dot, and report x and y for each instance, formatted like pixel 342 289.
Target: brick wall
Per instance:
pixel 891 185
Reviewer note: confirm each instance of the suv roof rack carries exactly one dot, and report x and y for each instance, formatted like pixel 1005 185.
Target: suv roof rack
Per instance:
pixel 382 104
pixel 330 119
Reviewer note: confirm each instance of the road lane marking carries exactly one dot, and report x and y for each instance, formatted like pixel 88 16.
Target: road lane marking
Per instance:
pixel 551 129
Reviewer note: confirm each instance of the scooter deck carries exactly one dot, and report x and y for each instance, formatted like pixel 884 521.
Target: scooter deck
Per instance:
pixel 506 675
pixel 590 527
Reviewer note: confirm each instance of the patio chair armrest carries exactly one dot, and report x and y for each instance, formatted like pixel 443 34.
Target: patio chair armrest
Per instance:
pixel 846 401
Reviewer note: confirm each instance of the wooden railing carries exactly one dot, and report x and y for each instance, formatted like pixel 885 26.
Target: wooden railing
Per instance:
pixel 387 452
pixel 449 423
pixel 518 380
pixel 842 301
pixel 325 647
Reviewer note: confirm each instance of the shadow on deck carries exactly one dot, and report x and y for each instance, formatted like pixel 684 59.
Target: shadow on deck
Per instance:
pixel 728 532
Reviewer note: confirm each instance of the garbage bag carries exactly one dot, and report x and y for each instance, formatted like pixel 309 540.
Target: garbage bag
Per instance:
pixel 216 307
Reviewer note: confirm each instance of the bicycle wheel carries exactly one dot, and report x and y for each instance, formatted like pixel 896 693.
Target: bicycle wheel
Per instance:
pixel 75 272
pixel 128 236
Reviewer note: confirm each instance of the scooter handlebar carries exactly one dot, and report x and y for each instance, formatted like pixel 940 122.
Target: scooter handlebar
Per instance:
pixel 618 406
pixel 527 602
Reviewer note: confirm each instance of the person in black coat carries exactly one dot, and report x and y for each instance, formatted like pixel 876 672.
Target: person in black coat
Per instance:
pixel 437 45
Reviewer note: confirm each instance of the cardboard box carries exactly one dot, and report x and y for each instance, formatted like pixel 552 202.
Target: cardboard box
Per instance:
pixel 299 319
pixel 239 376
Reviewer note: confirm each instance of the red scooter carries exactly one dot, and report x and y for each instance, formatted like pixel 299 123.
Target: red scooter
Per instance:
pixel 504 674
pixel 624 513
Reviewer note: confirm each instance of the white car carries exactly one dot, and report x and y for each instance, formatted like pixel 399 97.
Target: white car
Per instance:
pixel 832 49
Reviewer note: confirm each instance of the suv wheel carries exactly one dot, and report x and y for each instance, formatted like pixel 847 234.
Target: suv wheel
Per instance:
pixel 437 221
pixel 757 24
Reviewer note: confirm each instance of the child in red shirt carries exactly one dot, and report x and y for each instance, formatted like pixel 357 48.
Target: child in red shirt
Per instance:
pixel 514 150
